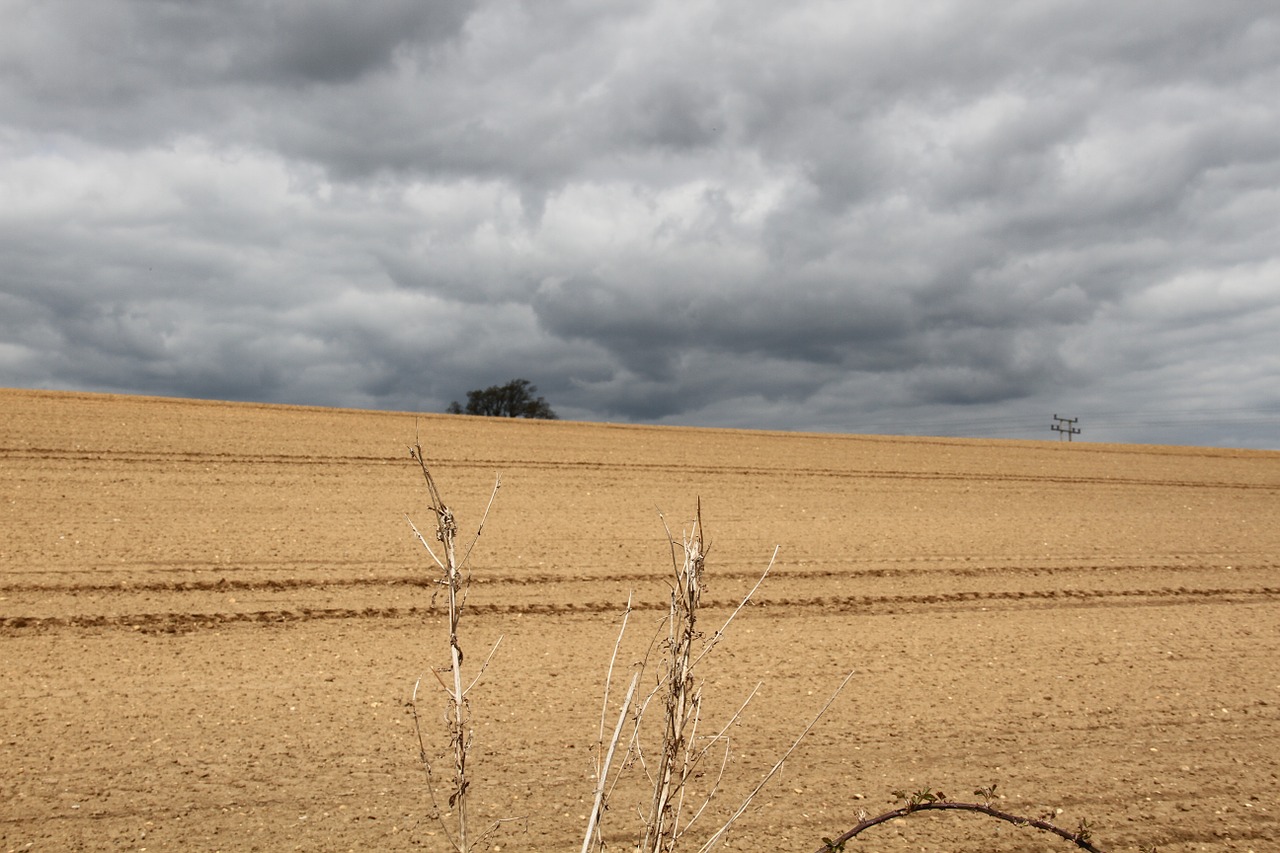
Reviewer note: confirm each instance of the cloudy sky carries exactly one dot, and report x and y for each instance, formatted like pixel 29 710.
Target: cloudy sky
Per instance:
pixel 945 218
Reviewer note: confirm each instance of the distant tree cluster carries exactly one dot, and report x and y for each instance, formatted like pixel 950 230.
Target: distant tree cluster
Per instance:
pixel 514 400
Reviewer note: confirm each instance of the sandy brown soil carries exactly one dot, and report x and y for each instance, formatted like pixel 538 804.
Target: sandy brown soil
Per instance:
pixel 211 616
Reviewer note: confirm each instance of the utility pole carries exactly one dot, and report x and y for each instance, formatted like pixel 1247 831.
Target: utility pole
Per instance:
pixel 1066 426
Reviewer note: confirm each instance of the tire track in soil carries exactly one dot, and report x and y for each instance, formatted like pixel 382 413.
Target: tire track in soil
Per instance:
pixel 790 472
pixel 172 623
pixel 227 584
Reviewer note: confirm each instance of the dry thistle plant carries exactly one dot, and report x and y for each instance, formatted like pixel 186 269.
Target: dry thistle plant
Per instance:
pixel 454 582
pixel 681 698
pixel 680 750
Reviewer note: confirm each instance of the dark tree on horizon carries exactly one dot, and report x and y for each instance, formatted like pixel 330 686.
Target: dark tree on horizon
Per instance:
pixel 514 400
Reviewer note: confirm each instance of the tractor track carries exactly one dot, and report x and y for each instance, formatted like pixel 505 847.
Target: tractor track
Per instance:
pixel 906 569
pixel 186 622
pixel 180 457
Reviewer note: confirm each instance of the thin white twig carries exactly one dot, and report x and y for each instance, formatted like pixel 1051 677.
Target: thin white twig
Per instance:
pixel 716 738
pixel 732 720
pixel 716 637
pixel 608 678
pixel 484 665
pixel 603 774
pixel 720 833
pixel 688 759
pixel 715 786
pixel 426 766
pixel 480 528
pixel 423 540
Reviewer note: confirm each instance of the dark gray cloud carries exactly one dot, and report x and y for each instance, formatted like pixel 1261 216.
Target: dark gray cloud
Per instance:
pixel 795 216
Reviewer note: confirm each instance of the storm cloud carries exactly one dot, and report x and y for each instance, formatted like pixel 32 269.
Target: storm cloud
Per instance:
pixel 956 219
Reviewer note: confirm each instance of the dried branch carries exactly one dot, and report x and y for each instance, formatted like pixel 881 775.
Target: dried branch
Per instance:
pixel 746 803
pixel 457 712
pixel 722 735
pixel 497 484
pixel 424 542
pixel 718 635
pixel 597 808
pixel 608 677
pixel 1080 838
pixel 426 762
pixel 485 664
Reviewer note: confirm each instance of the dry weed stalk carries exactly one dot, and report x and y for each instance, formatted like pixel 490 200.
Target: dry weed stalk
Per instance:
pixel 680 748
pixel 455 583
pixel 682 699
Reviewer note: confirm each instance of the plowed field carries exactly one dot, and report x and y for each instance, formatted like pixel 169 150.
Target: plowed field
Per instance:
pixel 212 616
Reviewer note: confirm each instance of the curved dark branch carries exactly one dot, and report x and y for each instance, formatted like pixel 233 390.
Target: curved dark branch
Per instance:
pixel 1079 839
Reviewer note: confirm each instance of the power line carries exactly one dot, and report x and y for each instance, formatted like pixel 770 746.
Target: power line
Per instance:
pixel 1098 421
pixel 1065 426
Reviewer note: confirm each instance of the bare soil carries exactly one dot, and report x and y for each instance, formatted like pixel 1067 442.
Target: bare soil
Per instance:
pixel 212 615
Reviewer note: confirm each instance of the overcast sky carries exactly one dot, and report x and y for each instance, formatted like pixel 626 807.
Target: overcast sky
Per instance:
pixel 947 218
